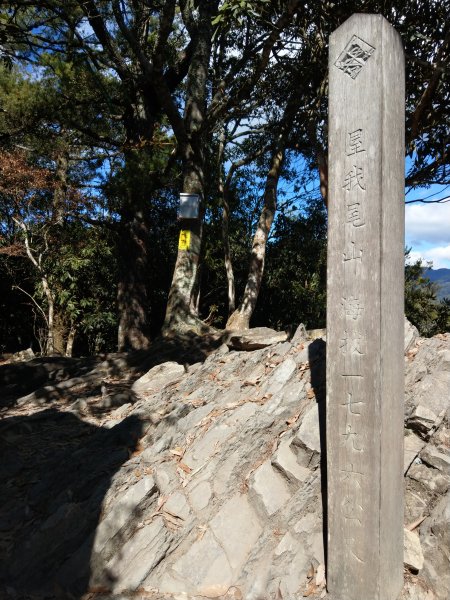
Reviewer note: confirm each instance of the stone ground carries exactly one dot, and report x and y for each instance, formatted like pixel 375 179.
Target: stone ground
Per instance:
pixel 201 479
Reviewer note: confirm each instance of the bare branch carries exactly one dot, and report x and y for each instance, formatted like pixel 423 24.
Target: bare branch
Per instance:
pixel 28 250
pixel 17 287
pixel 425 201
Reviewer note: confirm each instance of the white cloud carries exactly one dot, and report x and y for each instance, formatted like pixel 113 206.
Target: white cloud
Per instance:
pixel 439 255
pixel 428 224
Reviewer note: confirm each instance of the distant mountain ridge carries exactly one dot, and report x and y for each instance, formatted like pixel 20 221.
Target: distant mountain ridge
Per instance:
pixel 442 278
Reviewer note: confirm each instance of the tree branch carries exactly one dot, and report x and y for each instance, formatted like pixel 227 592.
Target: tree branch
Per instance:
pixel 165 29
pixel 17 287
pixel 146 65
pixel 220 106
pixel 425 201
pixel 428 94
pixel 98 25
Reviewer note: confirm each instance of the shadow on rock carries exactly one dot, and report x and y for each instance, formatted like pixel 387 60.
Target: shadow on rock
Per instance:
pixel 317 363
pixel 47 380
pixel 54 474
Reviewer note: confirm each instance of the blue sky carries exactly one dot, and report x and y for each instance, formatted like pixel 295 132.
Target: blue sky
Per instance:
pixel 428 227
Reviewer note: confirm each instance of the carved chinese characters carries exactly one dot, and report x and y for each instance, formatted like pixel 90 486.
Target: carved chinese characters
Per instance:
pixel 354 142
pixel 353 256
pixel 364 312
pixel 350 419
pixel 354 178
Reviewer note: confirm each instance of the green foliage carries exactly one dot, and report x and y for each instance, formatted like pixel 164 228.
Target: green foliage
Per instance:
pixel 442 279
pixel 83 276
pixel 421 305
pixel 294 286
pixel 443 316
pixel 236 11
pixel 294 290
pixel 19 315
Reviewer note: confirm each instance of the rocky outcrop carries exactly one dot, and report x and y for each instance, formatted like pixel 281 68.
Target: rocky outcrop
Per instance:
pixel 256 338
pixel 427 457
pixel 206 482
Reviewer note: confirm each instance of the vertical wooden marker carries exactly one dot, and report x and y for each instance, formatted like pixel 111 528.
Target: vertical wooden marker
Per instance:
pixel 365 362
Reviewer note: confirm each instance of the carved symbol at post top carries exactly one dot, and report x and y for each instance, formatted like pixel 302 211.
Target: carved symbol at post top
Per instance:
pixel 355 177
pixel 350 403
pixel 354 142
pixel 354 56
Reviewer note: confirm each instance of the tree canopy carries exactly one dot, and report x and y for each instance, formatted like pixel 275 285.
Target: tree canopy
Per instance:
pixel 110 108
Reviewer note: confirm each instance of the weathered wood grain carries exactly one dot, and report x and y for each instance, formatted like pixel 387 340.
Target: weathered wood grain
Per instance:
pixel 365 363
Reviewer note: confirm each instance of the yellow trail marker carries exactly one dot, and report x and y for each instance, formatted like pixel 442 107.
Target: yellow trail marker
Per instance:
pixel 184 242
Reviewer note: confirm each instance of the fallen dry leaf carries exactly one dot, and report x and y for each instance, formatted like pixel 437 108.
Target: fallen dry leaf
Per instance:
pixel 185 467
pixel 278 532
pixel 198 402
pixel 177 451
pixel 201 531
pixel 99 589
pixel 416 523
pixel 171 522
pixel 262 399
pixel 161 501
pixel 310 590
pixel 293 419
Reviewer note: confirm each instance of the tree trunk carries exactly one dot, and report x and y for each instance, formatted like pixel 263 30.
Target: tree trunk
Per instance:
pixel 323 176
pixel 179 313
pixel 223 193
pixel 132 289
pixel 60 192
pixel 133 242
pixel 231 289
pixel 62 335
pixel 59 333
pixel 50 346
pixel 240 319
pixel 36 261
pixel 70 340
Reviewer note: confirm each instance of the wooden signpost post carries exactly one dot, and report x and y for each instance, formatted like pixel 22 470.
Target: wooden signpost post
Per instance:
pixel 365 362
